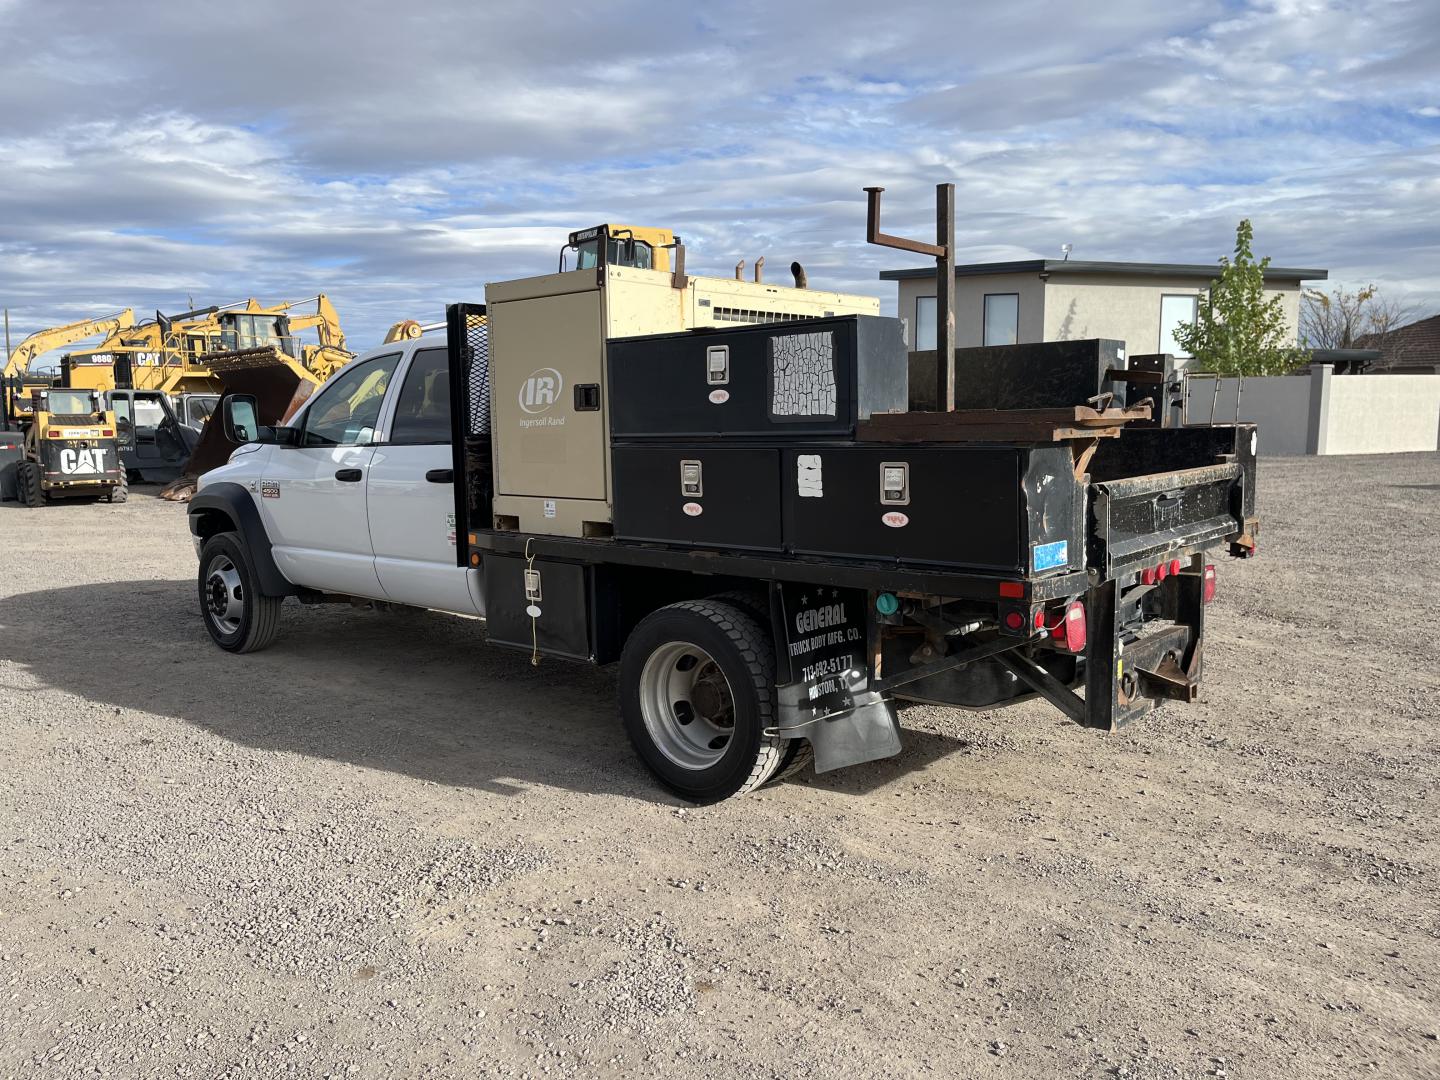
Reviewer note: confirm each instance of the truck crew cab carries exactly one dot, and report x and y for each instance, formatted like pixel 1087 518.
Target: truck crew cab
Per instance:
pixel 735 491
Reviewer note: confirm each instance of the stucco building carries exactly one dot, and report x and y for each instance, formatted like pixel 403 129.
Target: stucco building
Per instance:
pixel 1058 300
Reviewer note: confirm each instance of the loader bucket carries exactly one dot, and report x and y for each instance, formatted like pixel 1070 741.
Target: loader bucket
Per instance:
pixel 279 386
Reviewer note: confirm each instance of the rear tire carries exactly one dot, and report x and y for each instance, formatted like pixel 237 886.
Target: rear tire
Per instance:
pixel 27 484
pixel 697 697
pixel 121 491
pixel 239 618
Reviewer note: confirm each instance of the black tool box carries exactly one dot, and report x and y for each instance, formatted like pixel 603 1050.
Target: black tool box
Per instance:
pixel 1008 508
pixel 1037 375
pixel 807 378
pixel 701 494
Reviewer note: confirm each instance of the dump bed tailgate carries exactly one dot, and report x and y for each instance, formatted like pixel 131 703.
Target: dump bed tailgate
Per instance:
pixel 1138 519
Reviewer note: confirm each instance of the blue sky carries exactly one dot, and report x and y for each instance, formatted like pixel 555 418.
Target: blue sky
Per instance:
pixel 398 157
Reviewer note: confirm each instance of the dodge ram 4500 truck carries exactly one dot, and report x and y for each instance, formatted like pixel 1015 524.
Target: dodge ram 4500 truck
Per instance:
pixel 733 490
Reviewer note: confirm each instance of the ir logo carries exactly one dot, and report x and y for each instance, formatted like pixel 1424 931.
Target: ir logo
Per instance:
pixel 541 390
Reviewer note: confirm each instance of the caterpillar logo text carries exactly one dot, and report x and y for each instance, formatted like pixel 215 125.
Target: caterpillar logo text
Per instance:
pixel 541 390
pixel 82 461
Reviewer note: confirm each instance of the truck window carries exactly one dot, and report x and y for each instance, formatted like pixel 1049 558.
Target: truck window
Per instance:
pixel 422 415
pixel 346 411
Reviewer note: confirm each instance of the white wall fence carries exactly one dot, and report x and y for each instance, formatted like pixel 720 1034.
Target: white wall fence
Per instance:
pixel 1325 413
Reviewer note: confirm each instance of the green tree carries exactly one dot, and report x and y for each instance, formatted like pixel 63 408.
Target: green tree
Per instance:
pixel 1237 331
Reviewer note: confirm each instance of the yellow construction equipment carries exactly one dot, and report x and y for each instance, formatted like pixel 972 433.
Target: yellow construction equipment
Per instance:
pixel 193 352
pixel 17 364
pixel 639 246
pixel 69 449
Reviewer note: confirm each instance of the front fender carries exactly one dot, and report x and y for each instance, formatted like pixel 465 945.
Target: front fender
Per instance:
pixel 225 507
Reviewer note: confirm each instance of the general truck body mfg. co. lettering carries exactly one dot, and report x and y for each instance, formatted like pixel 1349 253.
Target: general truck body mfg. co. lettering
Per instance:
pixel 819 618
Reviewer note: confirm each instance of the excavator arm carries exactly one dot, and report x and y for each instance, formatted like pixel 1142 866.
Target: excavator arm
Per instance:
pixel 57 337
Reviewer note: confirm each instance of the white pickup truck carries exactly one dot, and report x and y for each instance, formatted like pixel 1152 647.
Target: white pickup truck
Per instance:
pixel 355 498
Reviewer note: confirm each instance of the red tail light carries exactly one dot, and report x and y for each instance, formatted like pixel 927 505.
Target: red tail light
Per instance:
pixel 108 433
pixel 1075 627
pixel 1174 567
pixel 1210 584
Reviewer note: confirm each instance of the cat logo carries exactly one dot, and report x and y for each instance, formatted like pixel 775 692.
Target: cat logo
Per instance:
pixel 82 461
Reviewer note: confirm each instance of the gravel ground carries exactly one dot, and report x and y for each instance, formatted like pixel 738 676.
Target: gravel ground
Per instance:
pixel 380 849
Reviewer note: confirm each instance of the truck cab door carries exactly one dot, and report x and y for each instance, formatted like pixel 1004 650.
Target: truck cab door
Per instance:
pixel 411 495
pixel 123 402
pixel 312 494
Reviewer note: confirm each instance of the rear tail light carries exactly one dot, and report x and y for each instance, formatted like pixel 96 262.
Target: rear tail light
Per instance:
pixel 108 433
pixel 1210 584
pixel 1174 567
pixel 1074 627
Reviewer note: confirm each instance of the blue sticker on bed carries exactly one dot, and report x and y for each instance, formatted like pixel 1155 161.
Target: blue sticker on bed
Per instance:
pixel 1049 556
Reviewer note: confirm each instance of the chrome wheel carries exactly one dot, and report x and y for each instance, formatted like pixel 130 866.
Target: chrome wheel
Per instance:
pixel 224 595
pixel 687 705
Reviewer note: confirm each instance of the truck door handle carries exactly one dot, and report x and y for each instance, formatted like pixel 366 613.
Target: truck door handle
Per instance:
pixel 348 476
pixel 441 476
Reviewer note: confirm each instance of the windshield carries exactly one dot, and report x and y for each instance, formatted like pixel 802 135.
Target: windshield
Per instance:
pixel 198 409
pixel 587 254
pixel 69 402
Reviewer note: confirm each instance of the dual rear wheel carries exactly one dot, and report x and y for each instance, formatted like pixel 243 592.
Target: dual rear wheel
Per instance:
pixel 697 685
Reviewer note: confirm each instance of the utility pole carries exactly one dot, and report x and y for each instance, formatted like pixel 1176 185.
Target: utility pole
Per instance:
pixel 944 252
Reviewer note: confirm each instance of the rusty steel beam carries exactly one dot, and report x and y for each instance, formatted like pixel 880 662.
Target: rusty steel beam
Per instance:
pixel 943 251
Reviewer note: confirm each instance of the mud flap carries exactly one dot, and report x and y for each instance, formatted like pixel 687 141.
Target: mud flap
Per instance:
pixel 867 731
pixel 824 690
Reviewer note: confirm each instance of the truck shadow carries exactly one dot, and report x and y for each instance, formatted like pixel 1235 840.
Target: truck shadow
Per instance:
pixel 419 694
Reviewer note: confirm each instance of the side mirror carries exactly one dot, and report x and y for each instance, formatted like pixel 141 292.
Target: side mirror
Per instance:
pixel 242 421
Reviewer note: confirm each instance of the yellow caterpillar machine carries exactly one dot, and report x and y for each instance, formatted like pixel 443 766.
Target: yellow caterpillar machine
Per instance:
pixel 17 375
pixel 194 351
pixel 69 449
pixel 163 377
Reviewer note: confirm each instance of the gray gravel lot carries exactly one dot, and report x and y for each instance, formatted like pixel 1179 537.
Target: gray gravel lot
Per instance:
pixel 382 849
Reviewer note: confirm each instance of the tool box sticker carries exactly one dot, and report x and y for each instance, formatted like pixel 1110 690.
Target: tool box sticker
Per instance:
pixel 802 376
pixel 825 644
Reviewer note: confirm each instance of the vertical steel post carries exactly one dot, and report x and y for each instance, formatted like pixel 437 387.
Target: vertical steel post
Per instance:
pixel 943 252
pixel 945 298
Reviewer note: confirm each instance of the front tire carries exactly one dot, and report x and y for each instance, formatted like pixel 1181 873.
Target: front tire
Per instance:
pixel 27 483
pixel 239 618
pixel 697 697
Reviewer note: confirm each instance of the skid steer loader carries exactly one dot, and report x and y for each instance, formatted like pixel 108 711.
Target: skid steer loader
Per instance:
pixel 69 449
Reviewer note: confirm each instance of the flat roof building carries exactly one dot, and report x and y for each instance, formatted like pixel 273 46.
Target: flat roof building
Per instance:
pixel 1006 303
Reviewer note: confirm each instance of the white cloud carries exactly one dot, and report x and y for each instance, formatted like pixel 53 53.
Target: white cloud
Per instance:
pixel 398 159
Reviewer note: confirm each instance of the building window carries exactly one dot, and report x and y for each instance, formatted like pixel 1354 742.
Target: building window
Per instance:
pixel 1176 310
pixel 1002 318
pixel 924 322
